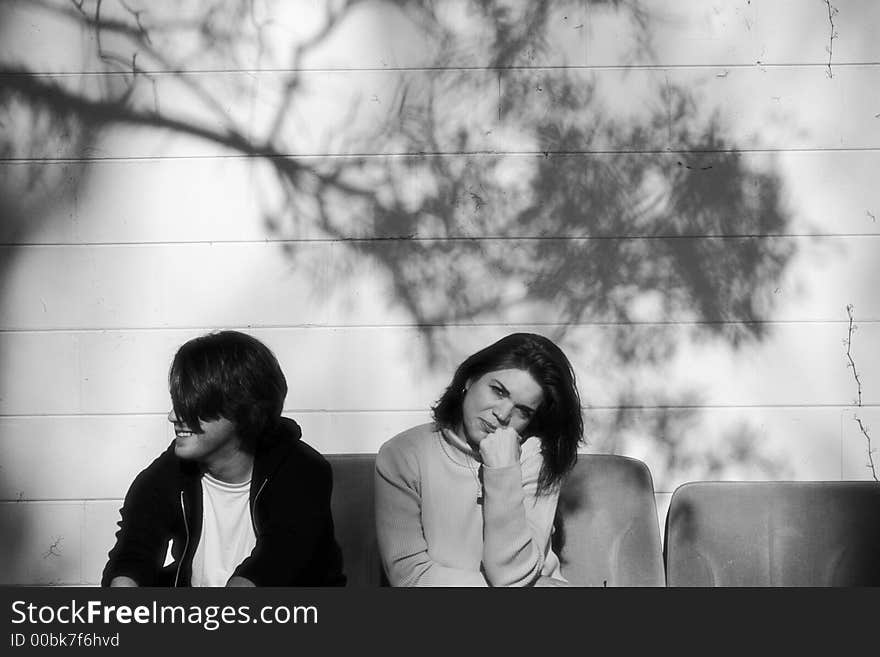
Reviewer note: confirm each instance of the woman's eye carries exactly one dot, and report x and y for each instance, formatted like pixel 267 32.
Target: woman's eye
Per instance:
pixel 497 390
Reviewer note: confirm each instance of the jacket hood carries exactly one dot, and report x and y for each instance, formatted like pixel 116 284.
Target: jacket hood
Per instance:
pixel 276 449
pixel 290 428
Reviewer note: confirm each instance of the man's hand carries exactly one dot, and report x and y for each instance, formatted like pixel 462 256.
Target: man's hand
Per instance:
pixel 238 580
pixel 122 580
pixel 501 448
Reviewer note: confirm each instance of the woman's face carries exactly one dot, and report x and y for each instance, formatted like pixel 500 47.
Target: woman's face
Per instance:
pixel 503 398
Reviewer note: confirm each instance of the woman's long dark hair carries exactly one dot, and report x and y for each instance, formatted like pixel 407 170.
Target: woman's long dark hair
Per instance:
pixel 557 422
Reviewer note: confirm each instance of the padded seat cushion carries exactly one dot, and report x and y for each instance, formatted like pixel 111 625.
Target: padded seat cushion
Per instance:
pixel 611 536
pixel 354 517
pixel 774 534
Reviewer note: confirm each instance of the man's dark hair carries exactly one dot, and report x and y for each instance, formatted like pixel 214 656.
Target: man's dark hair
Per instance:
pixel 557 422
pixel 231 375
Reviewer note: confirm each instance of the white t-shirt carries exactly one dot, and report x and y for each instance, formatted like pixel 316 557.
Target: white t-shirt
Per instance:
pixel 227 532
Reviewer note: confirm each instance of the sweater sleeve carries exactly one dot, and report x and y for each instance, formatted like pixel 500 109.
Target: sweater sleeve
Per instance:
pixel 399 529
pixel 517 523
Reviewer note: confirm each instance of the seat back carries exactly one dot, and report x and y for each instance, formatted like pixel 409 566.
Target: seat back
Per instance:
pixel 774 534
pixel 354 517
pixel 610 533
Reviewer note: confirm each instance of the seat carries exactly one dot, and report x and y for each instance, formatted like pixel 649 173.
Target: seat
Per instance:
pixel 607 530
pixel 774 534
pixel 354 518
pixel 607 518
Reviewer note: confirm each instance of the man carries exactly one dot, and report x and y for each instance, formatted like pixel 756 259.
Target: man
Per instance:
pixel 237 499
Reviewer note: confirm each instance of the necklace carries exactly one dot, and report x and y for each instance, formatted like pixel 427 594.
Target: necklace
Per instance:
pixel 476 473
pixel 478 477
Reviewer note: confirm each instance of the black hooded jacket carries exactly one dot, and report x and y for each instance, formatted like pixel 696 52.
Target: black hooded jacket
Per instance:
pixel 290 509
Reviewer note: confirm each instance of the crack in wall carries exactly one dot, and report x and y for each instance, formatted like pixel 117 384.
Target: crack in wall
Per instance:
pixel 832 12
pixel 54 549
pixel 852 365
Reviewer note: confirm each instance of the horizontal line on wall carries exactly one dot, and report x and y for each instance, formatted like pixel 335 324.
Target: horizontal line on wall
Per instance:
pixel 337 327
pixel 413 154
pixel 446 69
pixel 119 500
pixel 58 500
pixel 435 154
pixel 366 411
pixel 455 238
pixel 162 414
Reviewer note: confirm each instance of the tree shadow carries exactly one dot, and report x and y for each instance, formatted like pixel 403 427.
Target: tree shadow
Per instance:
pixel 588 223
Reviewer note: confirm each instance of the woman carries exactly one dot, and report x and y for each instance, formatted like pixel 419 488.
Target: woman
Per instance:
pixel 469 499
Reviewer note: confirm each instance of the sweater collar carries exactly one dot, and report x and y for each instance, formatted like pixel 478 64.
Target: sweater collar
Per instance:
pixel 461 451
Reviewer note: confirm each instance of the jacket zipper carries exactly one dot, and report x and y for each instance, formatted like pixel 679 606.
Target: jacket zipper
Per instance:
pixel 254 505
pixel 186 543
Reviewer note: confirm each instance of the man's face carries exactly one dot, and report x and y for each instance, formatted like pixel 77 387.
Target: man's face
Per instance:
pixel 503 398
pixel 217 440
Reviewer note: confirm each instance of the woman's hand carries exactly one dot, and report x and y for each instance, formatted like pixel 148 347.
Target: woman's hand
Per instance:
pixel 501 448
pixel 549 581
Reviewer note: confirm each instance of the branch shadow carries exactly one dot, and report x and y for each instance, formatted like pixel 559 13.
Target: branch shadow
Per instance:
pixel 587 223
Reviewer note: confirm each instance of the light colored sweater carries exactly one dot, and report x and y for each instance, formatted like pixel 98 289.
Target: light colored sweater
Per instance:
pixel 433 532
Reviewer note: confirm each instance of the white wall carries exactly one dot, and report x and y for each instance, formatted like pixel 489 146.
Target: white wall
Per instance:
pixel 707 211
